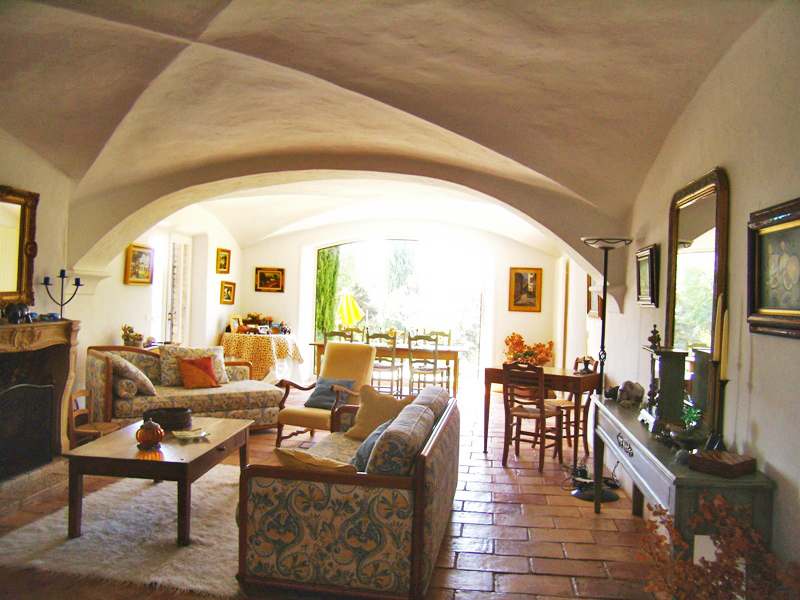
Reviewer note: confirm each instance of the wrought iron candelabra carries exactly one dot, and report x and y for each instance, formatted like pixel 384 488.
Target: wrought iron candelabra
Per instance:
pixel 62 276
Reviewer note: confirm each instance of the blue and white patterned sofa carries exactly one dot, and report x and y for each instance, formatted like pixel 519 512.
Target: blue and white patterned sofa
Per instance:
pixel 239 398
pixel 361 534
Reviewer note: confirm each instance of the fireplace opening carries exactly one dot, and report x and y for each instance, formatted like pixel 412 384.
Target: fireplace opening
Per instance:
pixel 27 423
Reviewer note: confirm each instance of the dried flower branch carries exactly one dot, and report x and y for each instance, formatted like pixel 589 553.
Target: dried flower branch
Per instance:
pixel 518 351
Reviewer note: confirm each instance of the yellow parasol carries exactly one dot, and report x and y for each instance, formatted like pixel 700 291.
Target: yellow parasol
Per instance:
pixel 349 310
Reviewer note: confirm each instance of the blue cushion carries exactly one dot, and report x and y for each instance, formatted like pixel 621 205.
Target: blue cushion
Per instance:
pixel 365 449
pixel 323 396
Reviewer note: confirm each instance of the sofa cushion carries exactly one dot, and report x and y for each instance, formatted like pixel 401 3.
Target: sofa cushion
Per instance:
pixel 365 449
pixel 398 446
pixel 122 368
pixel 336 446
pixel 435 398
pixel 170 372
pixel 374 408
pixel 302 459
pixel 323 396
pixel 197 372
pixel 123 388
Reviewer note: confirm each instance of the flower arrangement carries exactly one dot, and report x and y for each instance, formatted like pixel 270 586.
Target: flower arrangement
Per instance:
pixel 674 574
pixel 130 337
pixel 255 318
pixel 518 351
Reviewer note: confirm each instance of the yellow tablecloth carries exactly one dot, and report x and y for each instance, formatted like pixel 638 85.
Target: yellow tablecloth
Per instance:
pixel 263 351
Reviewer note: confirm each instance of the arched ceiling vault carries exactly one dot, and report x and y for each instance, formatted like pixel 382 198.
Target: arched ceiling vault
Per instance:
pixel 556 108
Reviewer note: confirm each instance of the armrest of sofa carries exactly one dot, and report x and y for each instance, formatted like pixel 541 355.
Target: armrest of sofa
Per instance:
pixel 239 369
pixel 98 381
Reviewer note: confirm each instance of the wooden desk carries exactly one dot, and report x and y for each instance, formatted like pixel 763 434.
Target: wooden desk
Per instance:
pixel 263 351
pixel 562 380
pixel 446 353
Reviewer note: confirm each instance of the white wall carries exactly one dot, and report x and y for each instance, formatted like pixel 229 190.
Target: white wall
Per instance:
pixel 745 119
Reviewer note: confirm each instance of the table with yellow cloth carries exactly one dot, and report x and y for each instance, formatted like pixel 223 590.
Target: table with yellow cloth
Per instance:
pixel 273 356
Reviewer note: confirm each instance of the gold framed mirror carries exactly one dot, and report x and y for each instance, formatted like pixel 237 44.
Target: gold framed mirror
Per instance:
pixel 697 279
pixel 18 243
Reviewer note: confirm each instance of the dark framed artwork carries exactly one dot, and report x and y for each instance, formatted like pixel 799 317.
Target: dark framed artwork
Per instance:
pixel 594 300
pixel 773 270
pixel 269 279
pixel 227 292
pixel 647 276
pixel 223 260
pixel 139 265
pixel 525 289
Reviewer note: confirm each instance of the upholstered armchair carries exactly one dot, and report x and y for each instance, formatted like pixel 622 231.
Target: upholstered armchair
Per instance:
pixel 345 368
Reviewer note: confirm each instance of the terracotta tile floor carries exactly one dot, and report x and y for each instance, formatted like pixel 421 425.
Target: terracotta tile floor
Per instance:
pixel 515 533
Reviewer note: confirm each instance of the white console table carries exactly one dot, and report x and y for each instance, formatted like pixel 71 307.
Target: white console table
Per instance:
pixel 658 477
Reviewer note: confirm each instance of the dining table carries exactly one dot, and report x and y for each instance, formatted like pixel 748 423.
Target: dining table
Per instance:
pixel 443 353
pixel 555 379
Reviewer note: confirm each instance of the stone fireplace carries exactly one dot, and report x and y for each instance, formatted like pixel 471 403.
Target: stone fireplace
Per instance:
pixel 37 361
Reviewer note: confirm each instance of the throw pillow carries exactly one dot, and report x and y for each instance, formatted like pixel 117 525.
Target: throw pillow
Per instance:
pixel 122 368
pixel 123 388
pixel 374 408
pixel 171 373
pixel 302 459
pixel 197 372
pixel 323 396
pixel 365 449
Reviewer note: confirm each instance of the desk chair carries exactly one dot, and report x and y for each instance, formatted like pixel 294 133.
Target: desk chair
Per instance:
pixel 573 421
pixel 524 399
pixel 424 366
pixel 342 360
pixel 387 372
pixel 81 426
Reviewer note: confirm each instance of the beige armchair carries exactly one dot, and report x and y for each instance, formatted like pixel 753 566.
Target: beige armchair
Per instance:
pixel 341 360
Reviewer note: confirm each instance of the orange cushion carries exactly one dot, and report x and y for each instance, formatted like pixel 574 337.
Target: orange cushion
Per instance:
pixel 198 372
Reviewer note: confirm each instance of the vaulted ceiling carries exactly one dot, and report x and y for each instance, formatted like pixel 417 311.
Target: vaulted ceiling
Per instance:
pixel 552 108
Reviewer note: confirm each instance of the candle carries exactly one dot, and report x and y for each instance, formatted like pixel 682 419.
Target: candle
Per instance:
pixel 77 282
pixel 717 330
pixel 46 281
pixel 63 273
pixel 723 364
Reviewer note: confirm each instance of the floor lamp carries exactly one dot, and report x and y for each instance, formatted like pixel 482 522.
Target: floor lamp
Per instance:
pixel 606 244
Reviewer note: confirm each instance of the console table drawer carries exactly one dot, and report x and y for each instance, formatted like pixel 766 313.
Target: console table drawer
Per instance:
pixel 655 482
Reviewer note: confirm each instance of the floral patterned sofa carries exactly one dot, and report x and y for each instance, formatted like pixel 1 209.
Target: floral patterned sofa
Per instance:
pixel 372 533
pixel 238 397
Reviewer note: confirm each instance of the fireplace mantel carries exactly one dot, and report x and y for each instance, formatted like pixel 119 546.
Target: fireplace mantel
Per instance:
pixel 35 352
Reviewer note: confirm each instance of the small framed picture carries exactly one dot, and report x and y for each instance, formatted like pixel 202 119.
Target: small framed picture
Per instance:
pixel 139 265
pixel 773 273
pixel 647 276
pixel 235 322
pixel 594 300
pixel 227 292
pixel 269 279
pixel 525 289
pixel 223 260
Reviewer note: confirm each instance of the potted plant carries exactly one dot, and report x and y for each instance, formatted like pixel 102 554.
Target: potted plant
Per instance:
pixel 130 337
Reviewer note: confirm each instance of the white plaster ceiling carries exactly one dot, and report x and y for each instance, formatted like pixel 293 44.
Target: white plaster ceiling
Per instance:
pixel 556 108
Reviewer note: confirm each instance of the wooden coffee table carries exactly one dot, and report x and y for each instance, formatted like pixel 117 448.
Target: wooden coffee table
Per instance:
pixel 184 461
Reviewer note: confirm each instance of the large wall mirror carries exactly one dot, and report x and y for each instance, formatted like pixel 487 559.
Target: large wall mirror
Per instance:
pixel 697 279
pixel 17 244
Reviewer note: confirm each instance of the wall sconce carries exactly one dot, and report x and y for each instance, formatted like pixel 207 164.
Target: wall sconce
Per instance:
pixel 62 276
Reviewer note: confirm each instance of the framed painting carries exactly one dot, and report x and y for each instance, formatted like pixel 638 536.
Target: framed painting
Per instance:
pixel 594 300
pixel 223 260
pixel 269 279
pixel 773 270
pixel 139 265
pixel 235 321
pixel 525 289
pixel 647 276
pixel 227 292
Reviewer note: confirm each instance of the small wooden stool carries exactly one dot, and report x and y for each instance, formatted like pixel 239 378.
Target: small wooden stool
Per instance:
pixel 81 426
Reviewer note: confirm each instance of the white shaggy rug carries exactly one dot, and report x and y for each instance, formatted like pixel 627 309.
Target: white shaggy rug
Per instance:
pixel 129 532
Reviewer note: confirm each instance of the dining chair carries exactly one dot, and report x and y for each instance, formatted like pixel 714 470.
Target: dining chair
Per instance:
pixel 524 399
pixel 387 372
pixel 424 366
pixel 577 420
pixel 342 335
pixel 81 426
pixel 357 334
pixel 443 338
